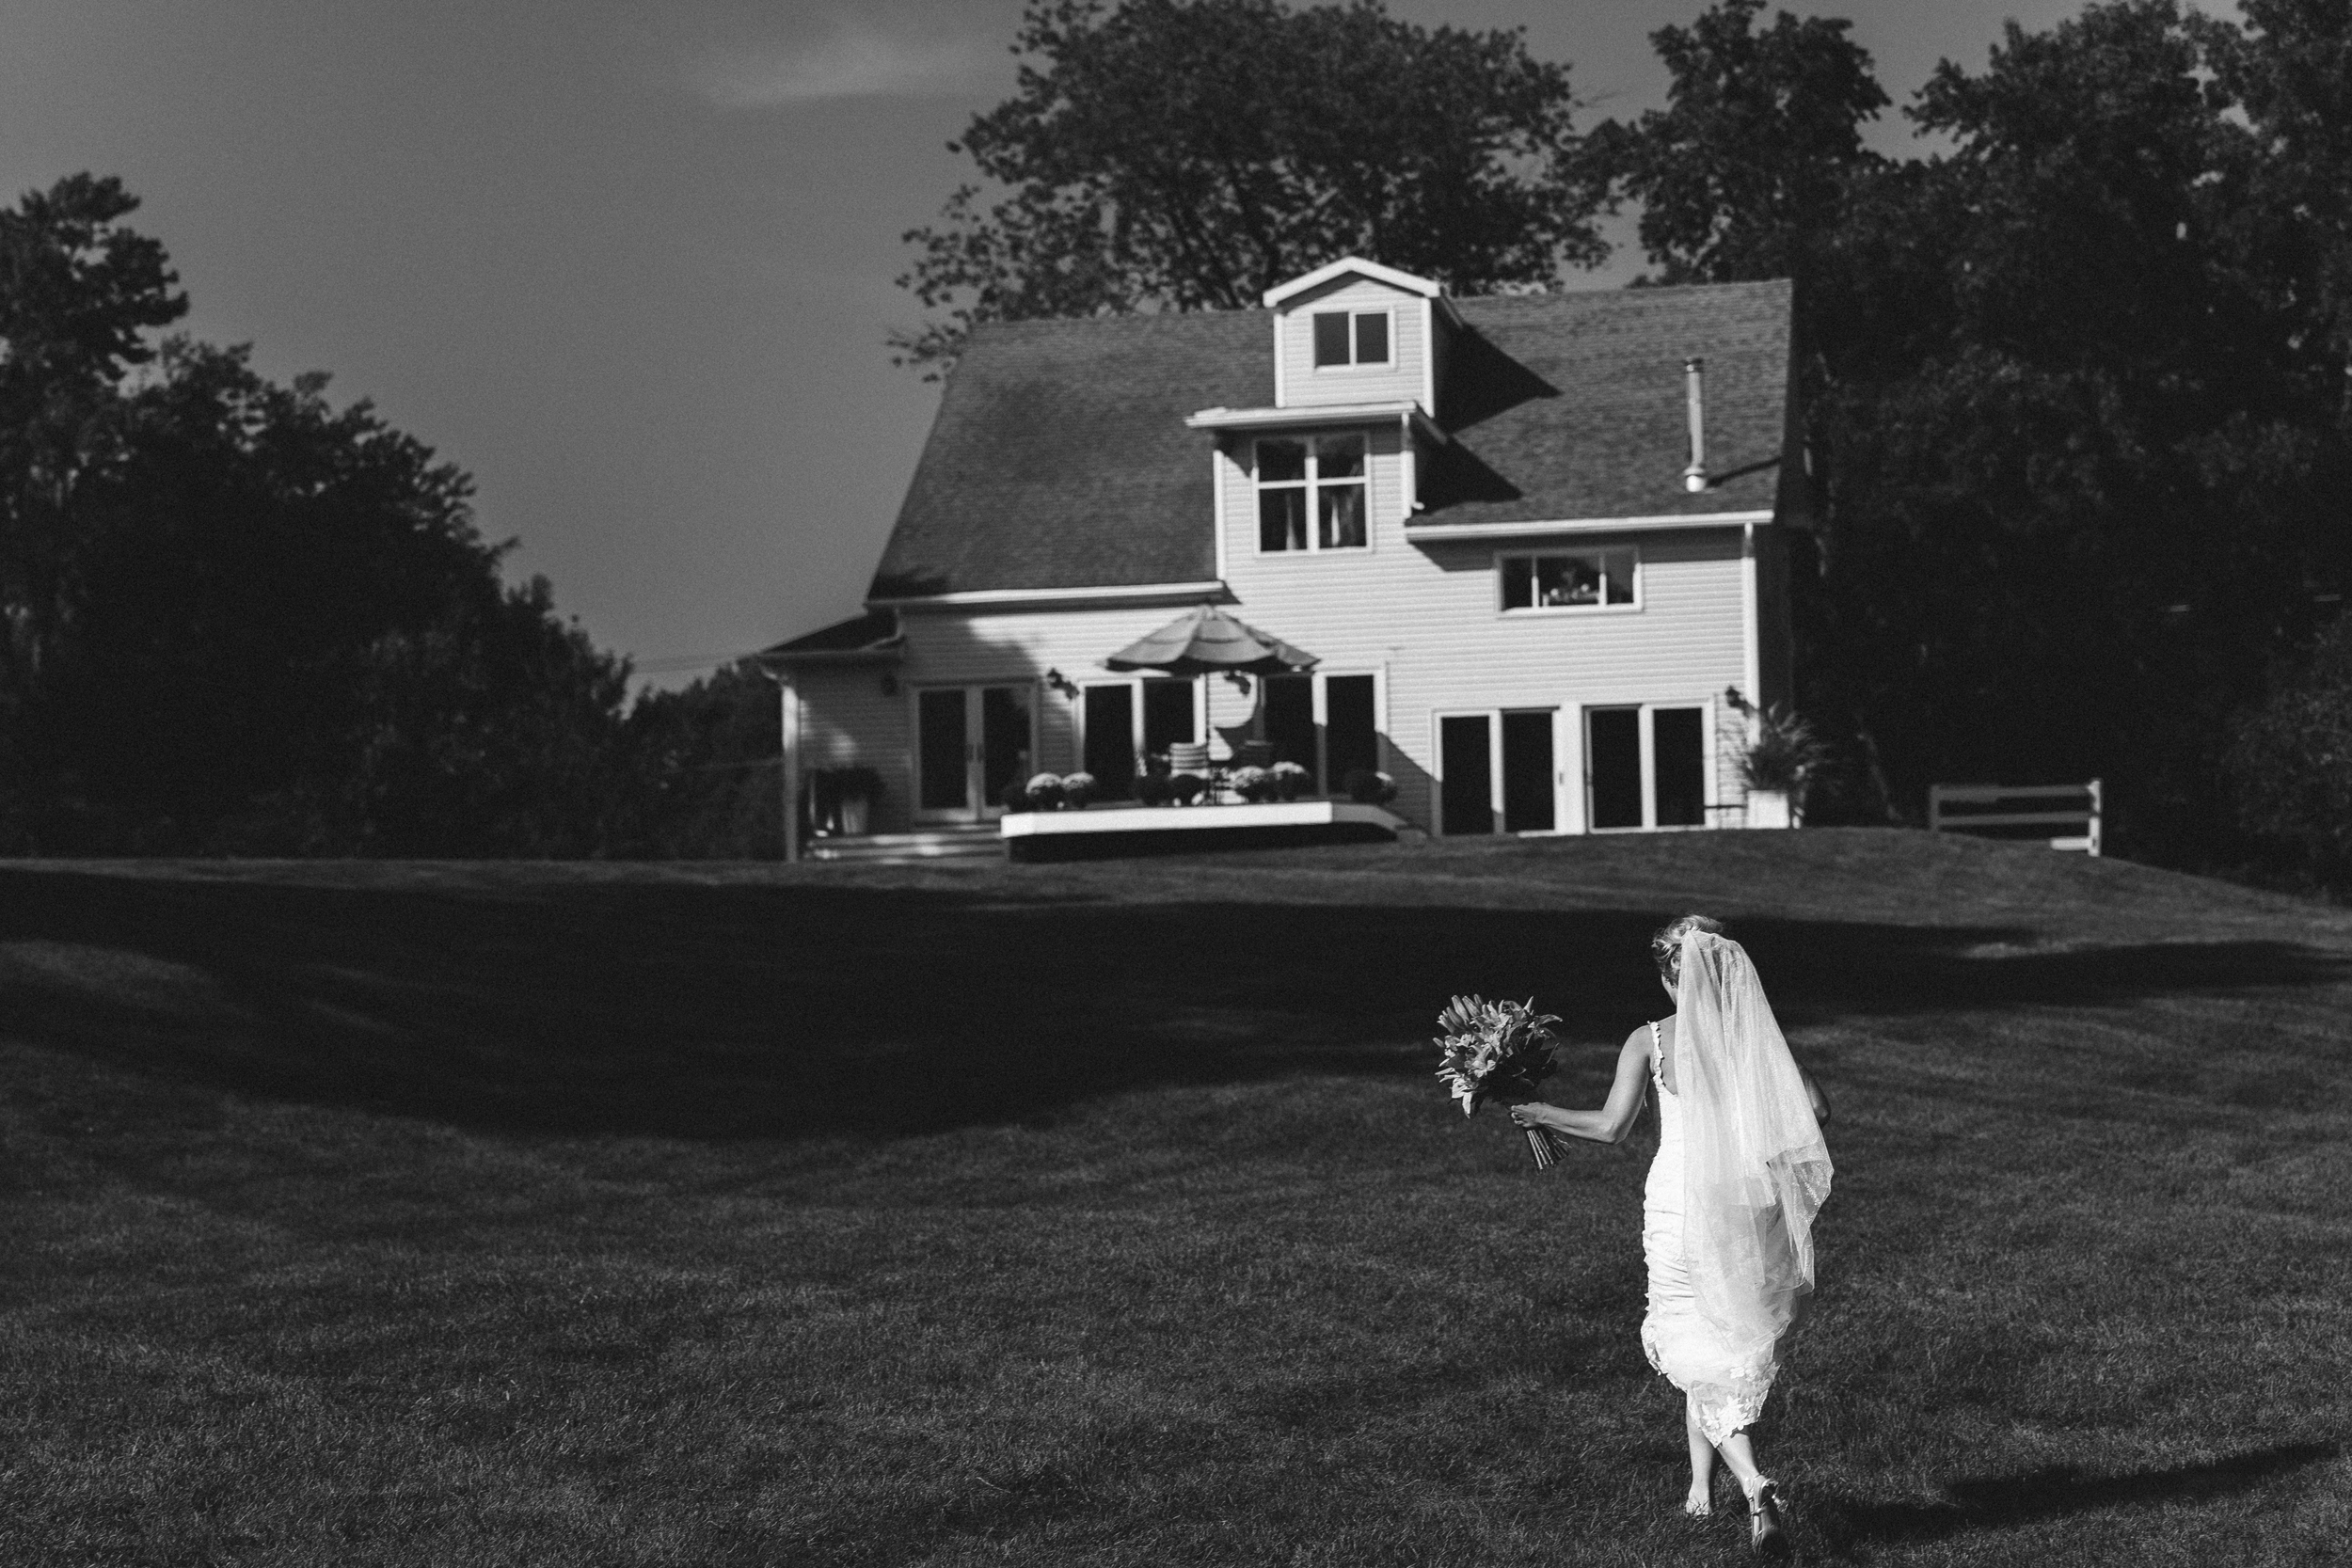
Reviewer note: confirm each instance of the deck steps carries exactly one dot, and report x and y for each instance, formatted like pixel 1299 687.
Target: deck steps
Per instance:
pixel 930 845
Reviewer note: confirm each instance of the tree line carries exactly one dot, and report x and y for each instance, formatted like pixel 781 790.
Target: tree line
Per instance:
pixel 241 620
pixel 2077 372
pixel 2078 369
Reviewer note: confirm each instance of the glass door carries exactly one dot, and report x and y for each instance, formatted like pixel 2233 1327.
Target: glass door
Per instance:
pixel 943 763
pixel 1005 742
pixel 971 742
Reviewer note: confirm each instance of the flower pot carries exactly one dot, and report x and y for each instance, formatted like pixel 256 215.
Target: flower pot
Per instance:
pixel 856 811
pixel 1771 808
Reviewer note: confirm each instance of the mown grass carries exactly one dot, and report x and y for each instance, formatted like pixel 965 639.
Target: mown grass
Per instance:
pixel 1108 1214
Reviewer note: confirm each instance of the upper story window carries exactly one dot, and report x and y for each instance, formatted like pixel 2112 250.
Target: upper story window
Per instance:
pixel 1570 579
pixel 1311 492
pixel 1351 338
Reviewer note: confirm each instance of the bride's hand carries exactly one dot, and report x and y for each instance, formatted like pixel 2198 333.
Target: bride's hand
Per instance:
pixel 1530 1113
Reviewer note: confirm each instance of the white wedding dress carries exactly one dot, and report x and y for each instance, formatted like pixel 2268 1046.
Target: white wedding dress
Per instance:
pixel 1727 1386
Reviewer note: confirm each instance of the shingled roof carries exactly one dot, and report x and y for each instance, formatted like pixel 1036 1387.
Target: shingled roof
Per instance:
pixel 1060 458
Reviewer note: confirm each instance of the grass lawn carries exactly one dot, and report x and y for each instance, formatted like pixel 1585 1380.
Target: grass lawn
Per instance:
pixel 1109 1214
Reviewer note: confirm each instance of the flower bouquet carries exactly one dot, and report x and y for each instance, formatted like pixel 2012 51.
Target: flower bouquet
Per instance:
pixel 1498 1048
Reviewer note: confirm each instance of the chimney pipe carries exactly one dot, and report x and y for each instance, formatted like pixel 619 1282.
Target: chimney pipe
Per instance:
pixel 1694 477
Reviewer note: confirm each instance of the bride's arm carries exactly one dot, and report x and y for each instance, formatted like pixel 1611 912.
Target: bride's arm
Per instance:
pixel 1614 1119
pixel 1813 1092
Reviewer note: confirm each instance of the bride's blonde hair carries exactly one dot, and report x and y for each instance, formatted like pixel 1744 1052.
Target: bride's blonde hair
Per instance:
pixel 1665 946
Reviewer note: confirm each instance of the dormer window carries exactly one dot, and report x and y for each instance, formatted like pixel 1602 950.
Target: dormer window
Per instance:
pixel 1311 492
pixel 1346 338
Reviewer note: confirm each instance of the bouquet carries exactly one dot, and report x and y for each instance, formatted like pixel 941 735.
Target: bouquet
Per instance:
pixel 1491 1048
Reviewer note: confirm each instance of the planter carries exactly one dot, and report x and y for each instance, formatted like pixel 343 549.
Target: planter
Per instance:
pixel 1771 808
pixel 857 814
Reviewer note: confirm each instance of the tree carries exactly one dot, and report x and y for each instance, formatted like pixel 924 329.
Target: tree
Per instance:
pixel 1189 154
pixel 1749 163
pixel 2078 474
pixel 78 294
pixel 243 619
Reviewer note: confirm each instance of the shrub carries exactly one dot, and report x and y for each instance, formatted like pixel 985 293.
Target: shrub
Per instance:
pixel 2290 762
pixel 1368 788
pixel 1252 784
pixel 1044 791
pixel 1186 787
pixel 1077 789
pixel 1153 789
pixel 1015 797
pixel 1290 780
pixel 1785 754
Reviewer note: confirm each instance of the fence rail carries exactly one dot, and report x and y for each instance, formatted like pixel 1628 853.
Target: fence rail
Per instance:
pixel 1987 808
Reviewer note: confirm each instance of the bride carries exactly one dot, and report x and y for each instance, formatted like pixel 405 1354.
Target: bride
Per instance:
pixel 1728 1215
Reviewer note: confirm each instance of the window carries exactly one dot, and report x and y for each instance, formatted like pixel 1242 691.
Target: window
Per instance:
pixel 1311 493
pixel 1351 338
pixel 1576 579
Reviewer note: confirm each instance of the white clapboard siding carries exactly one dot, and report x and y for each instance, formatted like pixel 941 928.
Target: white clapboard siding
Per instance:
pixel 1305 386
pixel 1428 616
pixel 847 720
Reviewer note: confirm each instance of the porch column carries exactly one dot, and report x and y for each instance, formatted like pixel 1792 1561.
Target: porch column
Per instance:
pixel 789 724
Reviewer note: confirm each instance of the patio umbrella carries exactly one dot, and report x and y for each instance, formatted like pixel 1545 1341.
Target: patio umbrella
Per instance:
pixel 1204 642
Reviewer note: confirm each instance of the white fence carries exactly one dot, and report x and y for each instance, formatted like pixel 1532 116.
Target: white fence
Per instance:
pixel 1999 807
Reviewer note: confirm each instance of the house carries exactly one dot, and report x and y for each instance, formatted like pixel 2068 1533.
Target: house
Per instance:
pixel 1535 543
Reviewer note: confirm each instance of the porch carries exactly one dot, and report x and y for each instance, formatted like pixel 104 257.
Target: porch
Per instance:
pixel 1104 832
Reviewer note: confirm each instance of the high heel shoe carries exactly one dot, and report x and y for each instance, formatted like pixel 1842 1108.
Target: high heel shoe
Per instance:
pixel 1766 1535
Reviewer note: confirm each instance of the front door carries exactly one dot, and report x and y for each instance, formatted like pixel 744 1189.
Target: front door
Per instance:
pixel 971 741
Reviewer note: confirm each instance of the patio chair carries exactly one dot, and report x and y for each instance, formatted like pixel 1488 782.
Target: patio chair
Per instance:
pixel 1189 756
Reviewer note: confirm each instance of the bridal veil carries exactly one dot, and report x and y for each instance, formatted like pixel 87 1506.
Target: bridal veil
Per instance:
pixel 1756 1169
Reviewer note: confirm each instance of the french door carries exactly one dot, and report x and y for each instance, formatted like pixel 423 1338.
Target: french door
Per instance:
pixel 1497 772
pixel 1645 766
pixel 970 742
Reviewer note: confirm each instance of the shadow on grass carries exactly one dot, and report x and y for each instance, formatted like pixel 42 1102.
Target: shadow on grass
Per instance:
pixel 1998 1501
pixel 551 1004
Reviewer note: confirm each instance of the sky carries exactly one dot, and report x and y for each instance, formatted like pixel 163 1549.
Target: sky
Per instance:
pixel 631 265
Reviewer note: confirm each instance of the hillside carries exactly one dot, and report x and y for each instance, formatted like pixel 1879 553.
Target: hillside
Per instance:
pixel 1108 1214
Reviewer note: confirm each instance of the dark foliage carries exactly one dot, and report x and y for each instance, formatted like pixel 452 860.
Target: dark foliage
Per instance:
pixel 243 620
pixel 2076 383
pixel 1189 154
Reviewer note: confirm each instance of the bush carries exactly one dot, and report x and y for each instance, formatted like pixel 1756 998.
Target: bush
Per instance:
pixel 1044 791
pixel 1076 788
pixel 1785 754
pixel 1153 789
pixel 1252 784
pixel 1368 788
pixel 1186 787
pixel 2290 762
pixel 1015 797
pixel 1290 780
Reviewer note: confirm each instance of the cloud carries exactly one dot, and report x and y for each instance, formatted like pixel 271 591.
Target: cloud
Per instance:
pixel 856 62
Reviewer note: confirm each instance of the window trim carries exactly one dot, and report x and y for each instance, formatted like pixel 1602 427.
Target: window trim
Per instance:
pixel 1307 487
pixel 1509 612
pixel 1351 312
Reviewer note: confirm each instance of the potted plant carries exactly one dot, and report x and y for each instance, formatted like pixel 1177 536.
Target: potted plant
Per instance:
pixel 1782 756
pixel 1290 781
pixel 1044 791
pixel 1252 784
pixel 1186 787
pixel 1076 789
pixel 1153 789
pixel 1367 787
